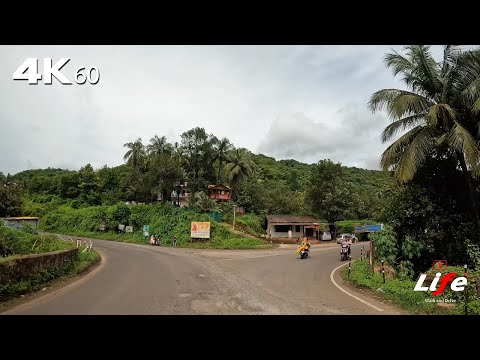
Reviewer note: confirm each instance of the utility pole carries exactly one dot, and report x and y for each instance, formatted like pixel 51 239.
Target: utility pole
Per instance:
pixel 372 255
pixel 234 206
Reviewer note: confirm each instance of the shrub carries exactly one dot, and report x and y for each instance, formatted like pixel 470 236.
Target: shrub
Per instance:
pixel 251 223
pixel 165 220
pixel 400 290
pixel 17 242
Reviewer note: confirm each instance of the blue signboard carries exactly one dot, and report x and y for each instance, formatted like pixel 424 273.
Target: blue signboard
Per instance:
pixel 369 228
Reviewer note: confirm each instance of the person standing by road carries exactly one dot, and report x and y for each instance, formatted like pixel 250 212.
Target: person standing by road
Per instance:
pixel 174 241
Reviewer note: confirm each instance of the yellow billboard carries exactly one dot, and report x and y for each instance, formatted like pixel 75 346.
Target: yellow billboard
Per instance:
pixel 200 230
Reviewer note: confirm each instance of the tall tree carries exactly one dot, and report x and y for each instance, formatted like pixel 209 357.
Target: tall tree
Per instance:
pixel 440 109
pixel 109 185
pixel 239 167
pixel 328 194
pixel 159 146
pixel 222 148
pixel 11 197
pixel 69 185
pixel 198 150
pixel 135 155
pixel 89 186
pixel 166 176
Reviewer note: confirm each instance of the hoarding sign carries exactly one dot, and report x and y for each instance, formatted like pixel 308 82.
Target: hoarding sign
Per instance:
pixel 200 230
pixel 369 228
pixel 146 230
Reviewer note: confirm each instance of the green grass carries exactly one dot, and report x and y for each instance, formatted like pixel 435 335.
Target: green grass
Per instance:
pixel 250 223
pixel 164 220
pixel 232 242
pixel 85 260
pixel 134 238
pixel 15 244
pixel 45 277
pixel 399 291
pixel 8 258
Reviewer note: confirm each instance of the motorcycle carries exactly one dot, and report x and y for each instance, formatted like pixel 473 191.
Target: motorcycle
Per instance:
pixel 344 252
pixel 303 251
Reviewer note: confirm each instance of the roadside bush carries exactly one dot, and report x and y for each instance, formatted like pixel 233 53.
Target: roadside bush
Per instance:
pixel 17 242
pixel 28 228
pixel 34 282
pixel 250 223
pixel 400 290
pixel 165 220
pixel 400 253
pixel 118 214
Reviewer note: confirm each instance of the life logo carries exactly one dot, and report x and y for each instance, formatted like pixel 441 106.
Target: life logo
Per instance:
pixel 457 283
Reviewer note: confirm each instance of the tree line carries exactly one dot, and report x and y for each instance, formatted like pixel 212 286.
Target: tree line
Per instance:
pixel 259 183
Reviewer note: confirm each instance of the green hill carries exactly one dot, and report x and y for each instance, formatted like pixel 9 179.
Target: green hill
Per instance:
pixel 260 184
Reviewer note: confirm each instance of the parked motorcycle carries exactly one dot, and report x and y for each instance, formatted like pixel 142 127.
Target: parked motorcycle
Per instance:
pixel 344 252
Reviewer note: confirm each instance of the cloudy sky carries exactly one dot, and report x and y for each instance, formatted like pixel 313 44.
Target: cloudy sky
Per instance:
pixel 302 102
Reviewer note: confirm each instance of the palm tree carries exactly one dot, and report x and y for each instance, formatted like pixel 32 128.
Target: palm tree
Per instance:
pixel 178 155
pixel 136 154
pixel 159 146
pixel 201 202
pixel 440 111
pixel 239 167
pixel 222 147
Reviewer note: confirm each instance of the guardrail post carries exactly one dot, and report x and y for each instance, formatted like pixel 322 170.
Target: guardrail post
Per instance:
pixel 383 272
pixel 372 255
pixel 349 265
pixel 466 290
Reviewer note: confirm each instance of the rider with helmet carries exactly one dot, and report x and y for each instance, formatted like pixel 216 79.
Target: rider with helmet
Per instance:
pixel 347 243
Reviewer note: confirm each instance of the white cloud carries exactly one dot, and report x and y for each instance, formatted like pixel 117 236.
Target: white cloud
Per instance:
pixel 249 94
pixel 350 136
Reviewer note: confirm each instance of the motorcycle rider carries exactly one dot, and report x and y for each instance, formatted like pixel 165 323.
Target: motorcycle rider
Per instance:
pixel 306 243
pixel 347 243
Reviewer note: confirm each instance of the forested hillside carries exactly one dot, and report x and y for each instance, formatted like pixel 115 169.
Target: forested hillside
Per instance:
pixel 260 183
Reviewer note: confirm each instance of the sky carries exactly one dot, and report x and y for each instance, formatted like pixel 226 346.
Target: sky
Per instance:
pixel 306 103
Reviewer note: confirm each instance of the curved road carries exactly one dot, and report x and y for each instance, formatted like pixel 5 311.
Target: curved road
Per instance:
pixel 142 279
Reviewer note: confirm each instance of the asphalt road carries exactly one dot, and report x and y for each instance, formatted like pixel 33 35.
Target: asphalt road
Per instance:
pixel 139 279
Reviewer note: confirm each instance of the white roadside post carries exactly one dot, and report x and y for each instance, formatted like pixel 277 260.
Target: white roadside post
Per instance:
pixel 234 206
